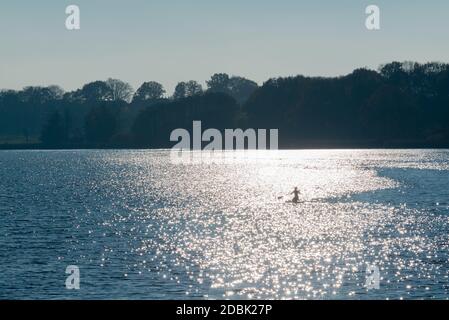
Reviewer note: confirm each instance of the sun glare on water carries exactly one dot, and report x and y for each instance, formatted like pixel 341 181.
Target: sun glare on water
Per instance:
pixel 140 225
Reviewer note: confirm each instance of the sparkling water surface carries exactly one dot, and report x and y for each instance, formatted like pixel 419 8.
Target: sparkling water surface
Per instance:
pixel 140 226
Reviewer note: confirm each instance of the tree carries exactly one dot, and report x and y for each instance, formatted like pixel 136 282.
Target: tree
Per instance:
pixel 391 70
pixel 401 104
pixel 180 91
pixel 187 89
pixel 55 131
pixel 219 82
pixel 95 91
pixel 149 91
pixel 41 95
pixel 120 90
pixel 241 89
pixel 193 88
pixel 237 87
pixel 152 127
pixel 55 92
pixel 100 125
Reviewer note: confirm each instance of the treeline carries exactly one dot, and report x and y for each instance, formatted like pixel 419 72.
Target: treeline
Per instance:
pixel 400 105
pixel 110 113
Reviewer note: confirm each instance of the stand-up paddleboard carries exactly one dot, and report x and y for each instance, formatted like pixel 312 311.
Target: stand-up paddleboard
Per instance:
pixel 294 202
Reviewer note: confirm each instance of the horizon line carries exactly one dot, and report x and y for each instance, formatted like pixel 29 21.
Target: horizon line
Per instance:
pixel 203 82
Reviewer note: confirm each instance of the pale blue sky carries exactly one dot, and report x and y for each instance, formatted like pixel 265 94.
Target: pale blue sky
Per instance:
pixel 176 40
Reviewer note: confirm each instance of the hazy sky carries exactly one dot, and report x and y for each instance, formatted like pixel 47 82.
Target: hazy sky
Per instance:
pixel 177 40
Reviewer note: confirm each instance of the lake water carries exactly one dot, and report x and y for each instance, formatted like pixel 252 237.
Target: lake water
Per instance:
pixel 139 226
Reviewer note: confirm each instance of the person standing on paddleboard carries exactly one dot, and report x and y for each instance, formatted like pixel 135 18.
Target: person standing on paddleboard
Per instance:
pixel 296 192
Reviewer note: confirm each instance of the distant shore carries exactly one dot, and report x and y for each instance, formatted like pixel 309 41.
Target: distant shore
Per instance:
pixel 287 146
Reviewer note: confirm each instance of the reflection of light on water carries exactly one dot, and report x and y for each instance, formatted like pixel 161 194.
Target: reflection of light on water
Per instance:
pixel 296 253
pixel 141 226
pixel 235 237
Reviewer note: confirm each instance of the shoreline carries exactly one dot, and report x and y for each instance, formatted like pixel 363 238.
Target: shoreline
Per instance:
pixel 24 147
